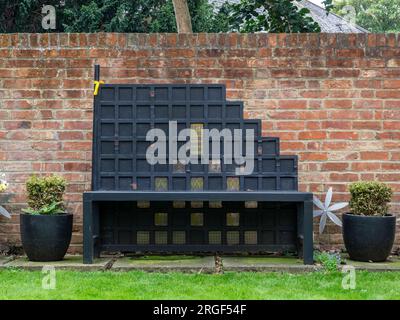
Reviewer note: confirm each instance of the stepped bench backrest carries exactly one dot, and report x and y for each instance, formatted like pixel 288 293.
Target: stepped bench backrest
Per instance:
pixel 125 113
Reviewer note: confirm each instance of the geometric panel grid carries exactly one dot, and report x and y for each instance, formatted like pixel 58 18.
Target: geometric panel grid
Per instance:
pixel 124 114
pixel 268 224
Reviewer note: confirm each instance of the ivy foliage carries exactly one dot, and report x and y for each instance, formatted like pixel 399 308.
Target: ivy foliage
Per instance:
pixel 148 16
pixel 23 15
pixel 271 16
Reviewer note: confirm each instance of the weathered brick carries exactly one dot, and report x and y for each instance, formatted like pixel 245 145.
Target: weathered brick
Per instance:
pixel 312 135
pixel 76 166
pixel 314 73
pixel 335 166
pixel 337 84
pixel 292 104
pixel 374 155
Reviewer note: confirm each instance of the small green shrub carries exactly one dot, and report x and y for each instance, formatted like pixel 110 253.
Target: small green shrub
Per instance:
pixel 370 198
pixel 330 261
pixel 45 194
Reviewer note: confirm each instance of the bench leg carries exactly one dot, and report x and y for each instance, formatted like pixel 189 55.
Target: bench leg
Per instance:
pixel 88 243
pixel 308 250
pixel 96 230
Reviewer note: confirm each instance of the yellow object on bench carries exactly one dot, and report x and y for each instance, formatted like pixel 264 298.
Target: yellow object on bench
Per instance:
pixel 96 86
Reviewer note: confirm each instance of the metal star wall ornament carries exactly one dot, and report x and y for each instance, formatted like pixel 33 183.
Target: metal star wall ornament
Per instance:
pixel 4 212
pixel 326 210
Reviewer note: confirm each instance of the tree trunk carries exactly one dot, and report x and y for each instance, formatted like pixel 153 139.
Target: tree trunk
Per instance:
pixel 182 16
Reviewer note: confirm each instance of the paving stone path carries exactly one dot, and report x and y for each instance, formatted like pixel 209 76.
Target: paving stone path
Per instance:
pixel 194 264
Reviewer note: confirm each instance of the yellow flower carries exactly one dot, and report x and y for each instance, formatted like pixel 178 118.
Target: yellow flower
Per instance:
pixel 3 182
pixel 3 186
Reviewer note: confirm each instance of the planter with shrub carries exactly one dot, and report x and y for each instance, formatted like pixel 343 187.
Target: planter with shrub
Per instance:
pixel 45 226
pixel 369 230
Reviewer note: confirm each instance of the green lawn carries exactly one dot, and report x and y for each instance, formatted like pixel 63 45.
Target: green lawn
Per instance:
pixel 17 284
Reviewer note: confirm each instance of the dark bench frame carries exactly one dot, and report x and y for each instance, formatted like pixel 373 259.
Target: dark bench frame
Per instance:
pixel 93 200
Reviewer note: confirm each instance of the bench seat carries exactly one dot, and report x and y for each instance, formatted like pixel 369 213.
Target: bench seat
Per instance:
pixel 93 199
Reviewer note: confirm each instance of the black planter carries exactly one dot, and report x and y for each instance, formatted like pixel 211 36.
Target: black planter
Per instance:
pixel 368 238
pixel 45 237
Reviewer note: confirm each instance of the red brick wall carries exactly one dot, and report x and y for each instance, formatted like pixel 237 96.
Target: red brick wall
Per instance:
pixel 332 99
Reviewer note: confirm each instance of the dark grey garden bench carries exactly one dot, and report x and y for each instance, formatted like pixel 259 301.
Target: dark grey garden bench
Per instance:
pixel 193 208
pixel 302 203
